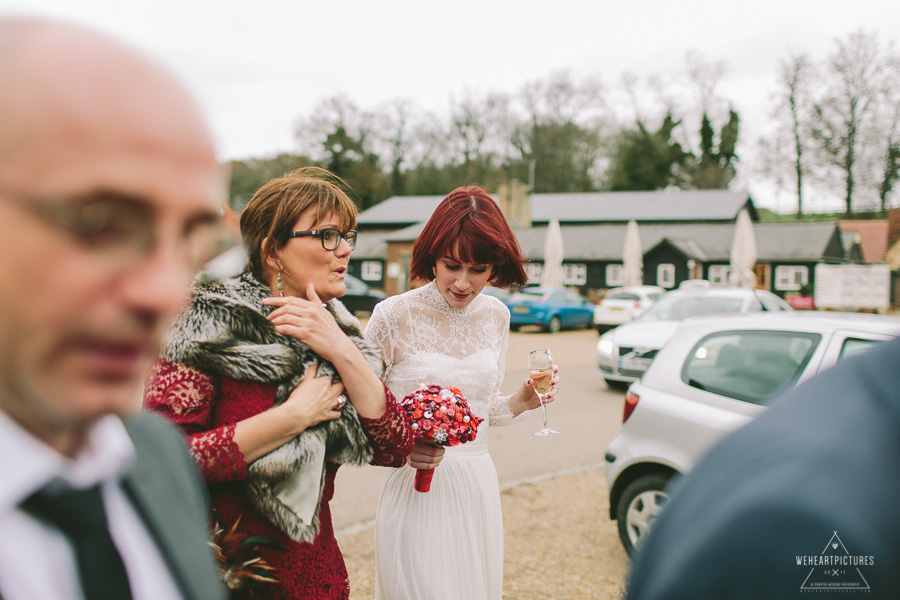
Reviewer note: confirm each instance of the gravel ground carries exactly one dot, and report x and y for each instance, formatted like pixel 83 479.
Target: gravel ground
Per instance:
pixel 560 543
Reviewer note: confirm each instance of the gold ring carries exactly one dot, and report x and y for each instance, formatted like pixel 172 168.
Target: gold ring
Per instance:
pixel 341 400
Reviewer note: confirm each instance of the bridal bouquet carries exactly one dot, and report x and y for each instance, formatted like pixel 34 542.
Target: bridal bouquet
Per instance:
pixel 440 415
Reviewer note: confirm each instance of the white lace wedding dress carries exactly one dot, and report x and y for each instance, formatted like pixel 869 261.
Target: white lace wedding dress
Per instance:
pixel 446 544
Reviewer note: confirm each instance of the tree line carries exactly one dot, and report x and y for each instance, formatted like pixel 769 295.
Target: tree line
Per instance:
pixel 835 128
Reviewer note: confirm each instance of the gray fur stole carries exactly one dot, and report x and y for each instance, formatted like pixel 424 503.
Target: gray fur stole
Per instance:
pixel 224 331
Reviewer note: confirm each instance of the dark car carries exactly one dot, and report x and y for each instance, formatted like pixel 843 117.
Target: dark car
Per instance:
pixel 360 298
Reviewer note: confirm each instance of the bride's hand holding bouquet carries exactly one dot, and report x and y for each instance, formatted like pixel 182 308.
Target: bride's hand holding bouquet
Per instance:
pixel 440 416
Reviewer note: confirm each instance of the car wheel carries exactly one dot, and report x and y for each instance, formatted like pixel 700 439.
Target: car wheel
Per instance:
pixel 617 385
pixel 639 506
pixel 554 325
pixel 514 327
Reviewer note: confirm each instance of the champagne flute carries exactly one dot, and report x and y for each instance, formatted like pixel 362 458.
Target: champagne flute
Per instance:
pixel 540 369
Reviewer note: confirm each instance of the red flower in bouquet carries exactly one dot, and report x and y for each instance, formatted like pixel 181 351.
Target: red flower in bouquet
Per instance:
pixel 440 415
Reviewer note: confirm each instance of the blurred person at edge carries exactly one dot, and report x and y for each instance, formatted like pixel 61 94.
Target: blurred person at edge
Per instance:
pixel 448 543
pixel 801 500
pixel 242 371
pixel 109 185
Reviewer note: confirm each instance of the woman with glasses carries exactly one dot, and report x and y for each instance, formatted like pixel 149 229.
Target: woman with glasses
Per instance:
pixel 275 387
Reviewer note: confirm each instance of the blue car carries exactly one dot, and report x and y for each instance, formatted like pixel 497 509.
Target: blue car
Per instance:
pixel 551 309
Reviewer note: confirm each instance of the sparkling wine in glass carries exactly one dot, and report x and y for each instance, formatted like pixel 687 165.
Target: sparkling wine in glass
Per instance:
pixel 540 369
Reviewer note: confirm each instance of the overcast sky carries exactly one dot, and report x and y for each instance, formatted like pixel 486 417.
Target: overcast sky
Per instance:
pixel 258 66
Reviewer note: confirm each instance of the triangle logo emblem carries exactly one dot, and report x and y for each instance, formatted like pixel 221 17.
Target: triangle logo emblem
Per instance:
pixel 836 569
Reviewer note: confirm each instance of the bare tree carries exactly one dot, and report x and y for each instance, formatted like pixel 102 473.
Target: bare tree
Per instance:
pixel 890 163
pixel 395 130
pixel 794 76
pixel 338 132
pixel 559 129
pixel 705 76
pixel 784 154
pixel 844 117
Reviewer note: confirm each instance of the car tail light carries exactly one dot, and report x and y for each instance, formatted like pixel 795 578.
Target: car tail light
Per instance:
pixel 631 400
pixel 637 303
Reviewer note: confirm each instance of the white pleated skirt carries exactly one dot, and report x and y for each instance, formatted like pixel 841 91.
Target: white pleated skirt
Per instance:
pixel 447 543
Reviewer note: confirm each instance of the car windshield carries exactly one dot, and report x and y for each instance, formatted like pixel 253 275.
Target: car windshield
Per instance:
pixel 355 286
pixel 528 296
pixel 674 307
pixel 495 292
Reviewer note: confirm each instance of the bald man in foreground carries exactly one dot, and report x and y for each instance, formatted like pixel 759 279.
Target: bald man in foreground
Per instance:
pixel 108 189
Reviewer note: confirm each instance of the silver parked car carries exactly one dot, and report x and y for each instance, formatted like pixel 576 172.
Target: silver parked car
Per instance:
pixel 623 304
pixel 624 353
pixel 714 375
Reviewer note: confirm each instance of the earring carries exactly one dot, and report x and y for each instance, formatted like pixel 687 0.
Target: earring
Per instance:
pixel 280 285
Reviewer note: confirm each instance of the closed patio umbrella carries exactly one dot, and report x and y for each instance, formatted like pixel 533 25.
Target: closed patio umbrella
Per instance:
pixel 743 253
pixel 552 273
pixel 632 256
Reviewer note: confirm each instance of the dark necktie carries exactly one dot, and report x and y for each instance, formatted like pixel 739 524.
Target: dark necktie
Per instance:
pixel 79 515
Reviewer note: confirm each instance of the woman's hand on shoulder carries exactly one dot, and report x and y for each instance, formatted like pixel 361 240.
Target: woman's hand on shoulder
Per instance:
pixel 308 321
pixel 314 400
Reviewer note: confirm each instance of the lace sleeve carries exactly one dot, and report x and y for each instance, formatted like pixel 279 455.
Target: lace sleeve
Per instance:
pixel 378 330
pixel 186 397
pixel 500 413
pixel 391 434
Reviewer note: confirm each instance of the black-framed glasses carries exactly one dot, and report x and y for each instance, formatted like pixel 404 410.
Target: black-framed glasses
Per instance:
pixel 330 237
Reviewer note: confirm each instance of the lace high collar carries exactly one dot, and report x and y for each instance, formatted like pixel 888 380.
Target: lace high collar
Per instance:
pixel 432 296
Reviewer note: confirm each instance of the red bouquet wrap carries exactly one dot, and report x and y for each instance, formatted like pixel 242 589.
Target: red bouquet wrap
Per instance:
pixel 440 415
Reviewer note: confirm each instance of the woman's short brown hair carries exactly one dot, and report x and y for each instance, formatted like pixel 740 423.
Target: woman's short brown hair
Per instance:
pixel 276 206
pixel 469 226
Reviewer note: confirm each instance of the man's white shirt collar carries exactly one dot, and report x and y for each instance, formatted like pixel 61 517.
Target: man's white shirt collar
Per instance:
pixel 107 454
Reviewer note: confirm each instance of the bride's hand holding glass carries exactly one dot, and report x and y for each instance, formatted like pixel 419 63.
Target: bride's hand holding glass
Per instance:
pixel 543 372
pixel 534 401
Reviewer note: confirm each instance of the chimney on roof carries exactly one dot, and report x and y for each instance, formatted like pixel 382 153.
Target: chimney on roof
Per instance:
pixel 515 202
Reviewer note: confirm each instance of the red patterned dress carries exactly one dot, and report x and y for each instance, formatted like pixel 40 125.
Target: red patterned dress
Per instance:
pixel 207 408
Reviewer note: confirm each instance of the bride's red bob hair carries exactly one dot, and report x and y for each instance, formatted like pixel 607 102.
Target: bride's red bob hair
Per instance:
pixel 468 226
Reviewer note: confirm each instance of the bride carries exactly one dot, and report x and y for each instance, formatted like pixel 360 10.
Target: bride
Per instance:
pixel 447 543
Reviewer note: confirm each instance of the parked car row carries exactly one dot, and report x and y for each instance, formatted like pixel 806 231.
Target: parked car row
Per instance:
pixel 625 353
pixel 712 376
pixel 555 309
pixel 624 304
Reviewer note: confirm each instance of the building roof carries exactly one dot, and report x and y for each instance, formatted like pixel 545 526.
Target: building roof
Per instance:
pixel 399 211
pixel 621 207
pixel 873 237
pixel 595 207
pixel 370 245
pixel 706 242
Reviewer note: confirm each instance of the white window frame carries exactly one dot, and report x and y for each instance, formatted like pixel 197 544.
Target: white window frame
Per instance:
pixel 615 275
pixel 790 278
pixel 718 274
pixel 665 275
pixel 533 271
pixel 371 270
pixel 574 273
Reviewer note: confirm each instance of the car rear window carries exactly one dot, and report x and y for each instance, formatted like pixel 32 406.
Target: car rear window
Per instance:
pixel 621 296
pixel 854 346
pixel 681 307
pixel 752 366
pixel 524 296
